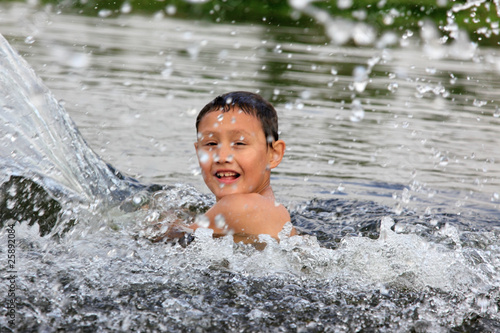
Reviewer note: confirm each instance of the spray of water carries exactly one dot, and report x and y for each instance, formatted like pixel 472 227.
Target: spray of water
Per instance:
pixel 385 270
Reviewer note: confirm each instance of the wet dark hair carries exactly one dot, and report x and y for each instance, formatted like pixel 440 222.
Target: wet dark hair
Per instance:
pixel 249 103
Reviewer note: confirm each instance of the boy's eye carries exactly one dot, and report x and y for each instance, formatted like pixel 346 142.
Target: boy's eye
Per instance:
pixel 210 144
pixel 239 143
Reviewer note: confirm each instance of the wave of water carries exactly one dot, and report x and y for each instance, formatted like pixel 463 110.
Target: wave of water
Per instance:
pixel 397 282
pixel 358 266
pixel 40 141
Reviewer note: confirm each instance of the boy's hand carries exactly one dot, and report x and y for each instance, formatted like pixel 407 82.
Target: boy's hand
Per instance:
pixel 175 231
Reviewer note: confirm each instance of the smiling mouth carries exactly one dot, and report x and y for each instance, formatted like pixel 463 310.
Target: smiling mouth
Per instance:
pixel 229 175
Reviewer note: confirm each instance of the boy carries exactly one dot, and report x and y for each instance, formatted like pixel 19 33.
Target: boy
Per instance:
pixel 237 146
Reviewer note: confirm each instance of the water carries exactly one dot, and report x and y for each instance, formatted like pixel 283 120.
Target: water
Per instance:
pixel 390 170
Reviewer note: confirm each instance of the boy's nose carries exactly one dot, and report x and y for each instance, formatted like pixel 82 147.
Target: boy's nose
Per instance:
pixel 225 154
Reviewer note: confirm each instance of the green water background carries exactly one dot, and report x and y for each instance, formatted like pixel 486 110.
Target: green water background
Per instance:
pixel 480 20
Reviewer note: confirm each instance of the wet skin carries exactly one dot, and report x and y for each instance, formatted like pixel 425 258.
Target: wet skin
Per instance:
pixel 236 162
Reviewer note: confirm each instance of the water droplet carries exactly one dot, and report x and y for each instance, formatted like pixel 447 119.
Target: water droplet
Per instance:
pixel 193 51
pixel 388 38
pixel 430 70
pixel 306 94
pixel 29 40
pixel 479 103
pixel 200 2
pixel 364 34
pixel 79 60
pixel 331 162
pixel 453 79
pixel 7 108
pixel 220 117
pixel 406 196
pixel 196 171
pixel 167 72
pixel 344 4
pixel 359 14
pixel 12 191
pixel 202 221
pixel 443 161
pixel 393 87
pixel 496 114
pixel 388 19
pixel 11 204
pixel 357 113
pixel 126 8
pixel 137 199
pixel 339 30
pixel 299 4
pixel 171 10
pixel 360 75
pixel 203 157
pixel 220 221
pixel 105 13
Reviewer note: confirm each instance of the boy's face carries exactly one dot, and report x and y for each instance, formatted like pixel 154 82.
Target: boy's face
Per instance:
pixel 233 153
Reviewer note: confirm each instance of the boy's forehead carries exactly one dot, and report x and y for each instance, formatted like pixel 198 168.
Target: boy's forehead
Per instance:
pixel 236 133
pixel 234 121
pixel 235 116
pixel 233 109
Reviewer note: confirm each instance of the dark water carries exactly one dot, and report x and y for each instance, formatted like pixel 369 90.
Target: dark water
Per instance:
pixel 390 173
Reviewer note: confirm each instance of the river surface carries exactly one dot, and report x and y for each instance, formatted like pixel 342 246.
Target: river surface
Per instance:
pixel 391 170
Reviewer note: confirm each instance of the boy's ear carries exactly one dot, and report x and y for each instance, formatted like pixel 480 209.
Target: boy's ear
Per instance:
pixel 277 152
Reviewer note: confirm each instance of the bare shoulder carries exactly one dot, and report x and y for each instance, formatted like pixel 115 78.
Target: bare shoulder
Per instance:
pixel 254 205
pixel 250 213
pixel 249 201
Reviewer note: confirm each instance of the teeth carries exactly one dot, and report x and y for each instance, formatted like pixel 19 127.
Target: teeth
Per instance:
pixel 226 174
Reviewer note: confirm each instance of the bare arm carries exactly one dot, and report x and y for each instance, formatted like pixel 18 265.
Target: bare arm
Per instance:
pixel 247 215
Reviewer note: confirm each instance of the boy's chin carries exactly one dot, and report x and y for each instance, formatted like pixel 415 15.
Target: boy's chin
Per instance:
pixel 221 193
